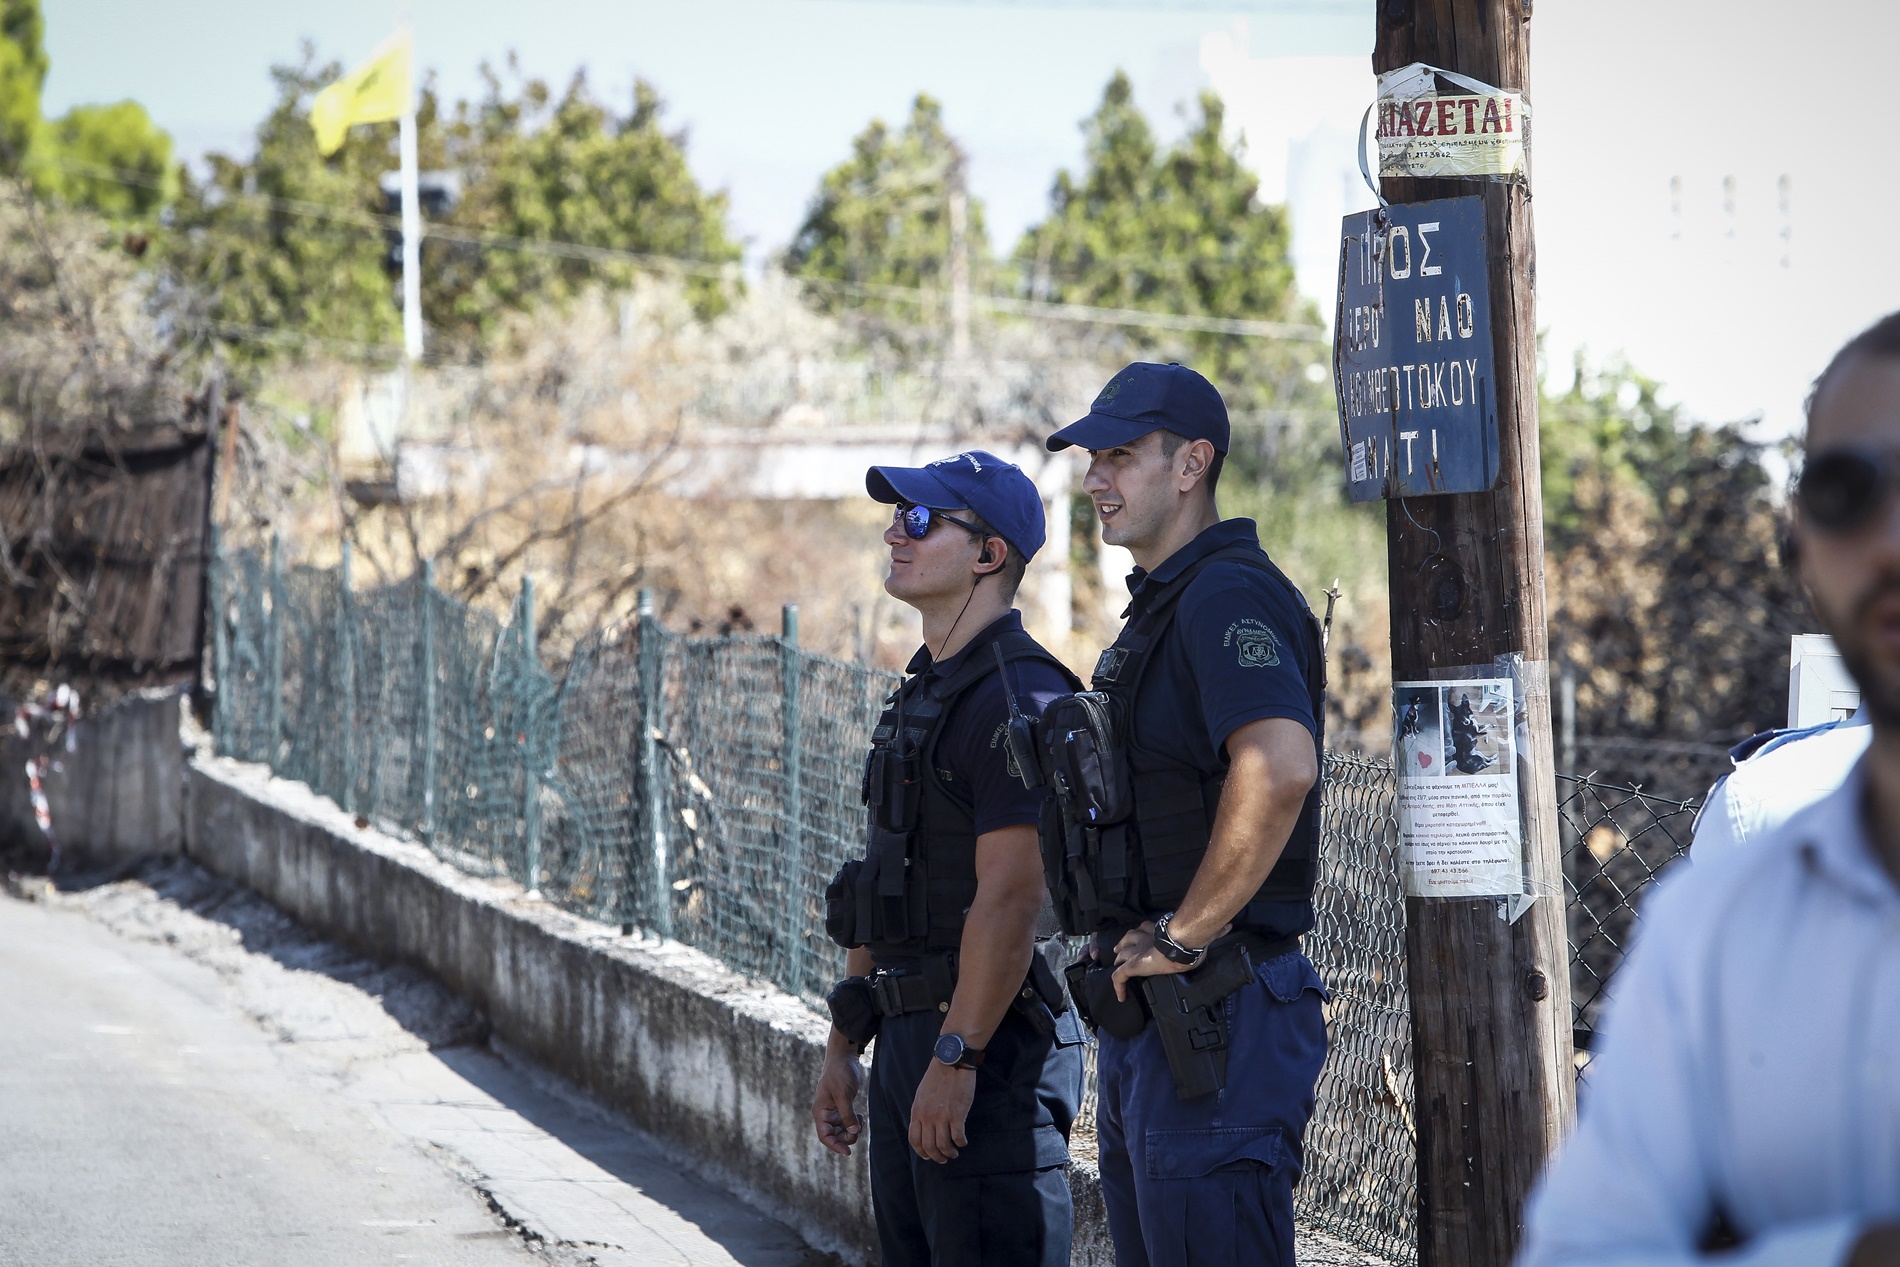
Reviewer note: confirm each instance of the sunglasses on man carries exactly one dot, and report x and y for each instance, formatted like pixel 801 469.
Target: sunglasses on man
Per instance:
pixel 917 521
pixel 1842 489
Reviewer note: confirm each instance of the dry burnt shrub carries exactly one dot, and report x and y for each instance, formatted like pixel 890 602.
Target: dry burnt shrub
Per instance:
pixel 1669 598
pixel 106 411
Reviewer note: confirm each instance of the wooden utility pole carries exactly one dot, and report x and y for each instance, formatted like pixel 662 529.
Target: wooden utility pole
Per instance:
pixel 1491 1023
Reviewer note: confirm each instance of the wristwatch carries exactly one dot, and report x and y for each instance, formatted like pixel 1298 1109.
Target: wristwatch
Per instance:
pixel 953 1051
pixel 1172 950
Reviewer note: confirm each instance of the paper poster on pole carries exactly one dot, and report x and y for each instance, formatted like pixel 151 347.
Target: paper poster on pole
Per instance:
pixel 1460 834
pixel 1475 129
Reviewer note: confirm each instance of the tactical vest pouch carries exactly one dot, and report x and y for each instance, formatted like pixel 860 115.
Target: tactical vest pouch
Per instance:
pixel 1082 833
pixel 893 785
pixel 1086 761
pixel 841 905
pixel 852 1010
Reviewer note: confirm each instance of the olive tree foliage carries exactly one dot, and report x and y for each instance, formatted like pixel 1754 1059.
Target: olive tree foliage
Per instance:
pixel 558 193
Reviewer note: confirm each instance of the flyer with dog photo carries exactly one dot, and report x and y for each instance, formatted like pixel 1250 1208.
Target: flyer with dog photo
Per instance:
pixel 1459 831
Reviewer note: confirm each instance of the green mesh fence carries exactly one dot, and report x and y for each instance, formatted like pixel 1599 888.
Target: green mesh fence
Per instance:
pixel 705 789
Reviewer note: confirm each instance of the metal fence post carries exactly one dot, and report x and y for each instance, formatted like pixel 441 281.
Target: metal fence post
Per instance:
pixel 530 746
pixel 791 663
pixel 274 656
pixel 345 716
pixel 660 894
pixel 220 649
pixel 425 598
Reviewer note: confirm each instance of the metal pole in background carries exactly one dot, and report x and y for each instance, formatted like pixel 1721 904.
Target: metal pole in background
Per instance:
pixel 792 664
pixel 274 656
pixel 1491 1023
pixel 411 239
pixel 425 598
pixel 530 745
pixel 660 892
pixel 345 713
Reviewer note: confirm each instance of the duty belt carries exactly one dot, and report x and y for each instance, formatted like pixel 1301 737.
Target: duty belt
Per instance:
pixel 895 993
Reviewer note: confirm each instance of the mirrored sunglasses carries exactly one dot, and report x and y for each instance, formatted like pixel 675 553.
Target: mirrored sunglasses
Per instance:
pixel 917 520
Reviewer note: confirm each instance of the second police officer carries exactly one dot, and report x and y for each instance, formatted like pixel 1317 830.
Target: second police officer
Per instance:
pixel 1183 833
pixel 976 1075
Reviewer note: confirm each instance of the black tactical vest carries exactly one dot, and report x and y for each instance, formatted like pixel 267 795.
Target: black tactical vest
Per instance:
pixel 1174 802
pixel 919 872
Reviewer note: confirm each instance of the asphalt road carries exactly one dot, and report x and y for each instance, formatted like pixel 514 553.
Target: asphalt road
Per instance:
pixel 188 1078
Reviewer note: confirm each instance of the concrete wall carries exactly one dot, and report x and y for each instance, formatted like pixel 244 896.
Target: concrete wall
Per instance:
pixel 118 795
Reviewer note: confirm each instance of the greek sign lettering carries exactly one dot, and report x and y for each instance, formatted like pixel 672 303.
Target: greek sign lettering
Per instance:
pixel 1412 353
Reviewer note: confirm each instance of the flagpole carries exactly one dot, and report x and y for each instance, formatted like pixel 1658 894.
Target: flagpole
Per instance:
pixel 411 238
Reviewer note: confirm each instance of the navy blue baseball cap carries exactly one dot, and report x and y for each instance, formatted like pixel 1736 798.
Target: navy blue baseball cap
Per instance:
pixel 997 491
pixel 1145 397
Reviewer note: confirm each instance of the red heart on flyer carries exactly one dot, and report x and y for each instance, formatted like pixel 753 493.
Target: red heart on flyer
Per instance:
pixel 1425 759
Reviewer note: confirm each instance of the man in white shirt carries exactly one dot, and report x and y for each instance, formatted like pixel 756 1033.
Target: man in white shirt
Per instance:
pixel 1749 1086
pixel 1776 774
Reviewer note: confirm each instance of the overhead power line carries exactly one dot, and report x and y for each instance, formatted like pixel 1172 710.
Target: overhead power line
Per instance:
pixel 554 248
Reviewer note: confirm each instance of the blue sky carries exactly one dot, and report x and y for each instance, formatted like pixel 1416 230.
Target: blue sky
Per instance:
pixel 1662 137
pixel 771 91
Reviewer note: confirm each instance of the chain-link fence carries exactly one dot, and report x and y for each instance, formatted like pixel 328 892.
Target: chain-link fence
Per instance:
pixel 1617 839
pixel 705 789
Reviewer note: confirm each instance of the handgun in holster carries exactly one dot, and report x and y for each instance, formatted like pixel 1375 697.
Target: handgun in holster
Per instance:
pixel 1187 1010
pixel 1040 1000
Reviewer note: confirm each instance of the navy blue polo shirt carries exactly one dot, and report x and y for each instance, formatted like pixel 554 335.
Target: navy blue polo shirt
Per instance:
pixel 973 760
pixel 1235 653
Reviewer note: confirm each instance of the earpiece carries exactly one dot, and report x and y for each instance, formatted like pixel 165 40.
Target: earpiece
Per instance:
pixel 985 556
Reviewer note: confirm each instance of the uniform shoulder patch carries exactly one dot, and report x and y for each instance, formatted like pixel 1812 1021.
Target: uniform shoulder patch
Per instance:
pixel 1255 643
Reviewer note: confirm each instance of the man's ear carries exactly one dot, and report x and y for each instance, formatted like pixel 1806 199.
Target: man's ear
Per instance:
pixel 993 555
pixel 1195 458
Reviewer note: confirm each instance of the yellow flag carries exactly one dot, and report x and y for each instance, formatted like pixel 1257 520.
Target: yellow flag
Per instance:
pixel 375 92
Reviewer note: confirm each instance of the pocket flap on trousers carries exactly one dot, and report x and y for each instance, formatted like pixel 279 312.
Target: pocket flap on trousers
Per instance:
pixel 1192 1154
pixel 1289 976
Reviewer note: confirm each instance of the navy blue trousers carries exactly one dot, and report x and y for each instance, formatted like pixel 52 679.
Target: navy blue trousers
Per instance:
pixel 1192 1183
pixel 1004 1200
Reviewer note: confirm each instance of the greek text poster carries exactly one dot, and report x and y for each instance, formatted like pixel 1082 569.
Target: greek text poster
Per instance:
pixel 1459 830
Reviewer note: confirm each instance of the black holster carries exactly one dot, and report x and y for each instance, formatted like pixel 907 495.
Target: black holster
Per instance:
pixel 852 1010
pixel 1041 998
pixel 1092 986
pixel 1186 1007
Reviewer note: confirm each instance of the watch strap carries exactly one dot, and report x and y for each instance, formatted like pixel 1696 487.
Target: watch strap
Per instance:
pixel 1172 950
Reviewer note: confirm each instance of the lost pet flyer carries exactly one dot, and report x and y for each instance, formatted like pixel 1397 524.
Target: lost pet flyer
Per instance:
pixel 1459 830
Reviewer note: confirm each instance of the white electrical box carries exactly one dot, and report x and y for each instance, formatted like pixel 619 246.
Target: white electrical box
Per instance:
pixel 1819 688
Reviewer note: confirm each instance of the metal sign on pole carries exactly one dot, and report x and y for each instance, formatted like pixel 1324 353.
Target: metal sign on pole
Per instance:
pixel 1417 381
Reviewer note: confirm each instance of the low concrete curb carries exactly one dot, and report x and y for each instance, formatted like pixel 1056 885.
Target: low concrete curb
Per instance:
pixel 713 1064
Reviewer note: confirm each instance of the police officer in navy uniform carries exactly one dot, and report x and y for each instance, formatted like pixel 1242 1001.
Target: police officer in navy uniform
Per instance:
pixel 1198 890
pixel 976 1075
